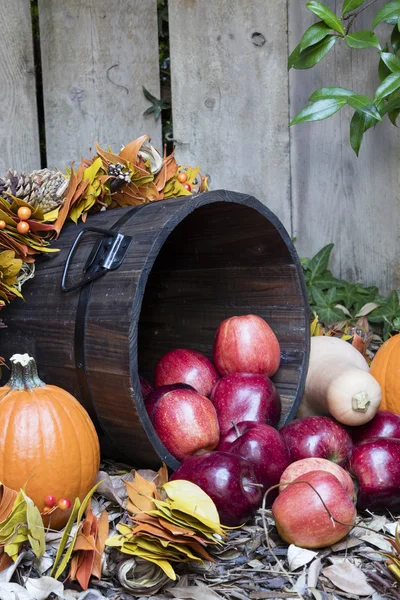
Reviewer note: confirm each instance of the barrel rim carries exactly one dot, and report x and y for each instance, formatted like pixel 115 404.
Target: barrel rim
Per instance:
pixel 189 205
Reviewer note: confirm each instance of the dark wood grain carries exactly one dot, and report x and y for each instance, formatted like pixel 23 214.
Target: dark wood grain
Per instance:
pixel 191 264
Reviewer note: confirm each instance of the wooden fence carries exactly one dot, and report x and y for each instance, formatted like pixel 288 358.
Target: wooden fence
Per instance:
pixel 232 102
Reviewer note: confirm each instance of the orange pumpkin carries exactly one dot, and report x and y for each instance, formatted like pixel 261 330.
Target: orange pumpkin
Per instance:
pixel 47 441
pixel 385 367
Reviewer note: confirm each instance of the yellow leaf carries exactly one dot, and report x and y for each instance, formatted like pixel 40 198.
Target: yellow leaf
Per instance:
pixel 91 172
pixel 52 215
pixel 191 499
pixel 316 328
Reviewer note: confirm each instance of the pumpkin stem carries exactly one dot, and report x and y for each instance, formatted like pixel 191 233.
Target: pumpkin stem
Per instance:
pixel 24 375
pixel 360 402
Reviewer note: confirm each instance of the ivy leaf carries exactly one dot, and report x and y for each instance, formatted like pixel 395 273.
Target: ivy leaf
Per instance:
pixel 365 105
pixel 388 86
pixel 325 306
pixel 392 61
pixel 326 15
pixel 330 92
pixel 349 5
pixel 157 105
pixel 324 281
pixel 319 263
pixel 388 311
pixel 395 38
pixel 387 12
pixel 362 39
pixel 313 35
pixel 317 111
pixel 311 55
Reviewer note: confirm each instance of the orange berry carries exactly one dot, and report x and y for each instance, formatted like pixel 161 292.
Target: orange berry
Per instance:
pixel 24 213
pixel 22 227
pixel 182 177
pixel 2 224
pixel 64 503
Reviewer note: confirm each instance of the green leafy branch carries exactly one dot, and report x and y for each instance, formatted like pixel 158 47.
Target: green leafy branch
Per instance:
pixel 336 302
pixel 319 39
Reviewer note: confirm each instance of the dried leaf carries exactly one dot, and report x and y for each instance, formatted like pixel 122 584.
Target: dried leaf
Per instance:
pixel 141 576
pixel 197 592
pixel 348 578
pixel 13 591
pixel 313 573
pixel 41 588
pixel 191 499
pixel 298 557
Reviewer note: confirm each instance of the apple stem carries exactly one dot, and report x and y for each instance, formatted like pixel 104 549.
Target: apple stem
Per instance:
pixel 250 484
pixel 235 427
pixel 360 402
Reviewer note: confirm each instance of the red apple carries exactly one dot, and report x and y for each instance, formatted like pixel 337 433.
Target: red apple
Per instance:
pixel 153 397
pixel 302 519
pixel 298 468
pixel 321 437
pixel 145 386
pixel 186 423
pixel 246 344
pixel 376 465
pixel 245 397
pixel 186 366
pixel 230 482
pixel 384 424
pixel 267 451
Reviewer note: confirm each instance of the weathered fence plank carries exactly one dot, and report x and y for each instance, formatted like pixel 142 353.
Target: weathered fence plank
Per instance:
pixel 337 197
pixel 19 139
pixel 230 96
pixel 96 56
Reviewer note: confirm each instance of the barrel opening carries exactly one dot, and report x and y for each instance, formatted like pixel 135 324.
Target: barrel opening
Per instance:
pixel 225 259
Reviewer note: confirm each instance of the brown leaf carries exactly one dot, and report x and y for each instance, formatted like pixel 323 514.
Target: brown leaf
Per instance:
pixel 102 535
pixel 349 578
pixel 64 210
pixel 168 170
pixel 7 499
pixel 140 493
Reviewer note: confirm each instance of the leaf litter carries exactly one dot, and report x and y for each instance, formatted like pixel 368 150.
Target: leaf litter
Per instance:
pixel 250 562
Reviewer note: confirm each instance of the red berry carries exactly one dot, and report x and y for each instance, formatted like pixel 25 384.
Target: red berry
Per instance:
pixel 64 503
pixel 50 501
pixel 188 187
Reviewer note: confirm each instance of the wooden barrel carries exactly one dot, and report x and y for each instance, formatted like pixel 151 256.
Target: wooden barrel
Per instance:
pixel 184 266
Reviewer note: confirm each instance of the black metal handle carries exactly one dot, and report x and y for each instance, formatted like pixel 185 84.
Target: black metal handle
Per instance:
pixel 106 255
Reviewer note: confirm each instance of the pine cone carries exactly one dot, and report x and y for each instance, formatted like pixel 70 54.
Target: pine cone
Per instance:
pixel 44 188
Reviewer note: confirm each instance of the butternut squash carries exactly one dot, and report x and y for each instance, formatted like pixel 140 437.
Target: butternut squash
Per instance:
pixel 339 384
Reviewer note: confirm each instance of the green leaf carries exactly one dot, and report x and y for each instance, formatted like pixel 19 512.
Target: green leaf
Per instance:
pixel 317 111
pixel 313 54
pixel 395 38
pixel 362 39
pixel 365 105
pixel 388 86
pixel 293 56
pixel 66 535
pixel 393 103
pixel 324 281
pixel 326 15
pixel 357 129
pixel 392 61
pixel 319 263
pixel 330 92
pixel 388 311
pixel 157 105
pixel 349 5
pixel 36 535
pixel 313 35
pixel 387 12
pixel 383 70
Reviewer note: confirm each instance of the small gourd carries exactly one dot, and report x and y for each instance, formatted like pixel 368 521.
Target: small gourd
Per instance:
pixel 339 384
pixel 48 442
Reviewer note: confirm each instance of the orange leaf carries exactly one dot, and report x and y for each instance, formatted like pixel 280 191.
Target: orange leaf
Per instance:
pixel 7 499
pixel 102 535
pixel 130 152
pixel 140 493
pixel 64 210
pixel 168 170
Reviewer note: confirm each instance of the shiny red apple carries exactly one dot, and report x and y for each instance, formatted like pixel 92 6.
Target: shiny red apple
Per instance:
pixel 376 465
pixel 145 386
pixel 384 424
pixel 299 467
pixel 245 397
pixel 265 448
pixel 186 366
pixel 301 517
pixel 153 397
pixel 186 423
pixel 246 344
pixel 321 437
pixel 230 482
